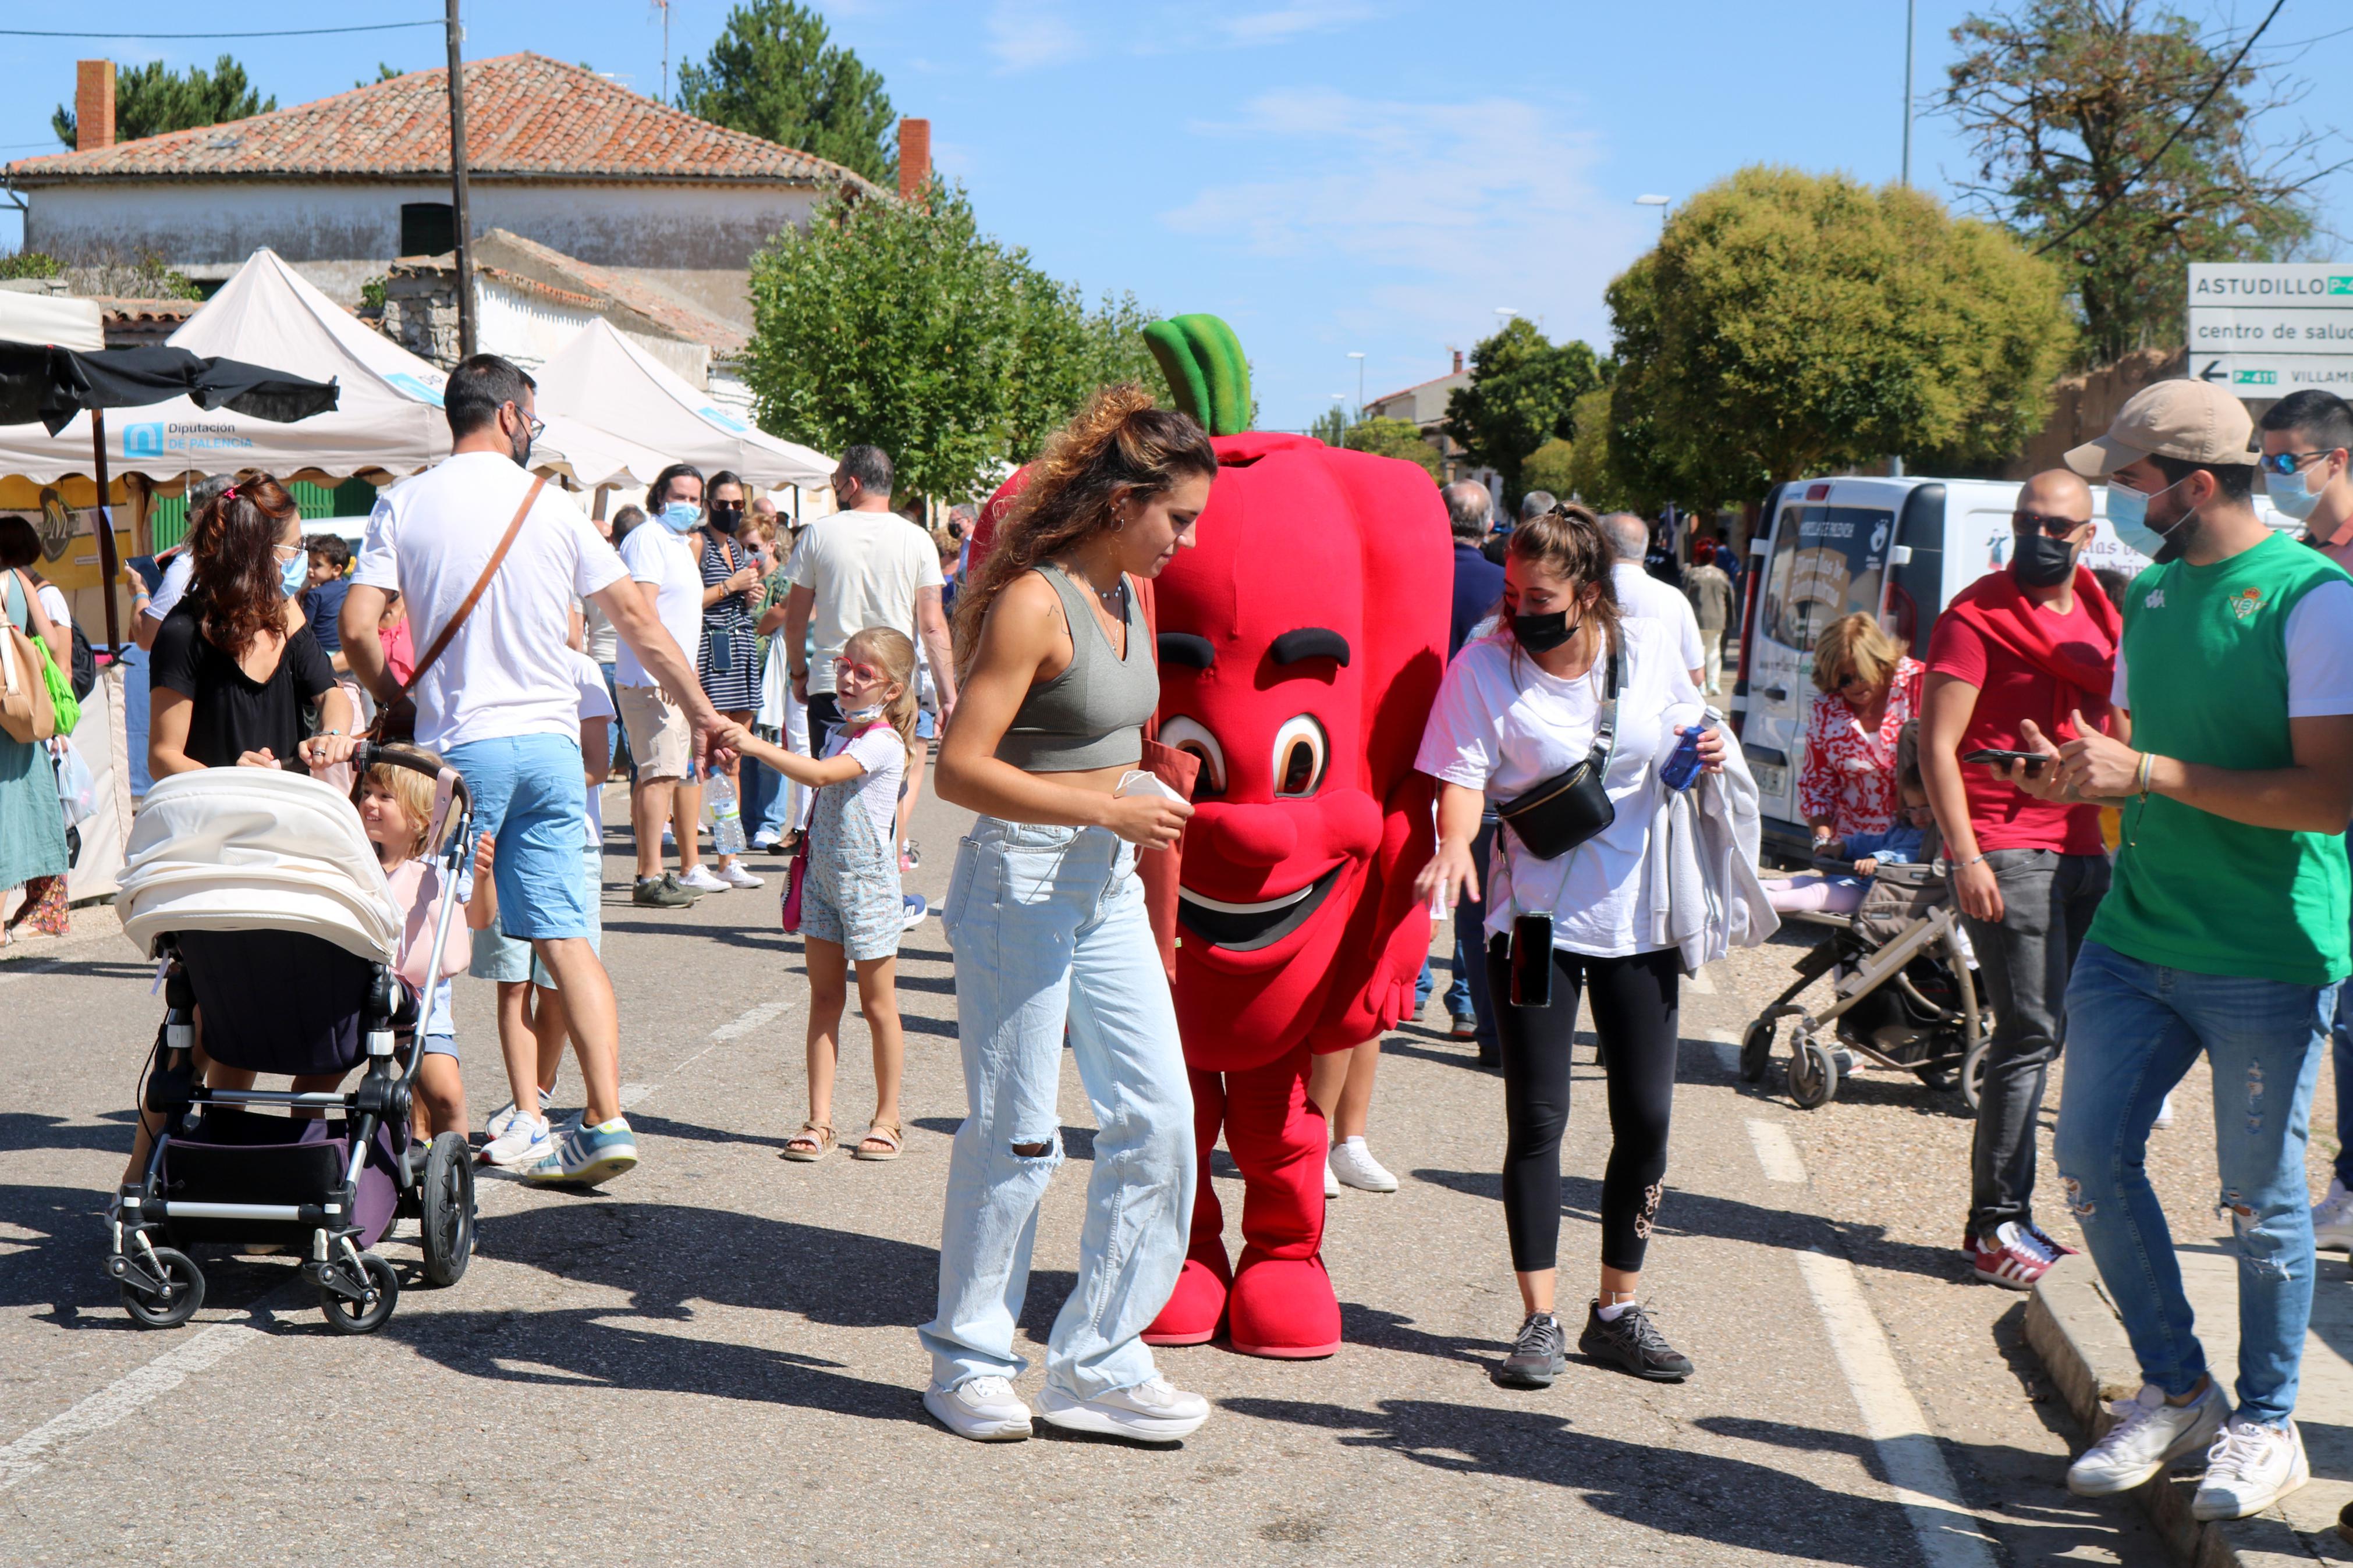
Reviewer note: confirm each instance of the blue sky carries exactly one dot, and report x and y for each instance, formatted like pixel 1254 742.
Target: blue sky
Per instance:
pixel 1329 176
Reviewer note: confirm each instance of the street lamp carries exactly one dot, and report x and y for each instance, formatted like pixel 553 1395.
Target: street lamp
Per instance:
pixel 1360 384
pixel 1658 202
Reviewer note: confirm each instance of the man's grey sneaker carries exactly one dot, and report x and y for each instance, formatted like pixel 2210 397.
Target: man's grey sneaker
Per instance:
pixel 1153 1411
pixel 661 892
pixel 2148 1435
pixel 588 1155
pixel 2250 1468
pixel 2332 1220
pixel 1632 1343
pixel 984 1409
pixel 1538 1356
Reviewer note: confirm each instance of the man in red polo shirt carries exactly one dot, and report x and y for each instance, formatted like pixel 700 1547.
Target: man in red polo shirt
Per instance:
pixel 2038 641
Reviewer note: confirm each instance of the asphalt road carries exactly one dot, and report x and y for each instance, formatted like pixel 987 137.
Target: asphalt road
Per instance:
pixel 713 1360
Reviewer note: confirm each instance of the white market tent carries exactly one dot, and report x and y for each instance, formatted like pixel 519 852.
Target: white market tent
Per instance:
pixel 387 421
pixel 602 379
pixel 70 323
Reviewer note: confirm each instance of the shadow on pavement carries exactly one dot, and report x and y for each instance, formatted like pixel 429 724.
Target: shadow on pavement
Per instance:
pixel 60 1268
pixel 22 1130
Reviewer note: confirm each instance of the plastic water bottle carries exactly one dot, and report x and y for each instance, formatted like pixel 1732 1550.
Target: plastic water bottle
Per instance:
pixel 1681 770
pixel 724 816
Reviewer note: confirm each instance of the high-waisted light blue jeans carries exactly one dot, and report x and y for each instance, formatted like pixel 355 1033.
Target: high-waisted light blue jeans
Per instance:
pixel 1048 928
pixel 2133 1030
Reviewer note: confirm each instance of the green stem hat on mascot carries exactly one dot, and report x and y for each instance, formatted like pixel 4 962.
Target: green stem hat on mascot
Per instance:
pixel 1203 362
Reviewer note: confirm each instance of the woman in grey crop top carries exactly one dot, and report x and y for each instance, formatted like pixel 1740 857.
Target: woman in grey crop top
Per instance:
pixel 1049 931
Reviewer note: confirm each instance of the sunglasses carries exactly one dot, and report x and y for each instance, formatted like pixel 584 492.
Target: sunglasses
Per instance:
pixel 1849 678
pixel 2050 527
pixel 2286 464
pixel 857 671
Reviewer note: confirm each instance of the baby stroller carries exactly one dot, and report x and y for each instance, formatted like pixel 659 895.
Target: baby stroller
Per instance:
pixel 261 895
pixel 1906 997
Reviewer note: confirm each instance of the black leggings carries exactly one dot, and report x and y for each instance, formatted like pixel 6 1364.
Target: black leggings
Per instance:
pixel 1634 1014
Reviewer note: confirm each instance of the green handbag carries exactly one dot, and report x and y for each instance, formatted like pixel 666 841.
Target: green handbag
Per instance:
pixel 61 693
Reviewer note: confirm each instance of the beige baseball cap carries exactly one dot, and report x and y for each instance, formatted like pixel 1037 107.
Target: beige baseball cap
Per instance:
pixel 2194 421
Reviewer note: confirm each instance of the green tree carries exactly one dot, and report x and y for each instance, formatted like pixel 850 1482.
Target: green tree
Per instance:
pixel 1392 439
pixel 1552 466
pixel 1521 391
pixel 150 99
pixel 1589 477
pixel 385 73
pixel 774 74
pixel 1788 323
pixel 2064 102
pixel 31 264
pixel 1331 427
pixel 1066 351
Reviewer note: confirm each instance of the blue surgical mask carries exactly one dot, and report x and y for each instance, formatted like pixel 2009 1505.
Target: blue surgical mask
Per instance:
pixel 2294 497
pixel 2129 515
pixel 681 517
pixel 862 715
pixel 294 575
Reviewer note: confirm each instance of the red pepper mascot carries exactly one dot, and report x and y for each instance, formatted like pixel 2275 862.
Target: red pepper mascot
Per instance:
pixel 1301 639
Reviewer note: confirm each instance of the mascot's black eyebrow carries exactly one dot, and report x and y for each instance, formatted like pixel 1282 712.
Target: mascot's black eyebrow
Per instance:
pixel 1186 648
pixel 1311 642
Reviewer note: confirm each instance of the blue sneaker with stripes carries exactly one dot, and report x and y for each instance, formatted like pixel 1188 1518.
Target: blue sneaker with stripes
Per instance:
pixel 588 1155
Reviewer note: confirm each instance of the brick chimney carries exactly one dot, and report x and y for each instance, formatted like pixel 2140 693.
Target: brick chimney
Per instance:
pixel 914 156
pixel 1458 362
pixel 93 104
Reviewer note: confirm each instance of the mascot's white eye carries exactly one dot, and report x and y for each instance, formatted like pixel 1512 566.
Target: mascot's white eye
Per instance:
pixel 1192 735
pixel 1299 752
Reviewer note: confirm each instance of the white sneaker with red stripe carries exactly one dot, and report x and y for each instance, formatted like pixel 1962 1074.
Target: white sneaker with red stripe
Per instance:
pixel 2015 1258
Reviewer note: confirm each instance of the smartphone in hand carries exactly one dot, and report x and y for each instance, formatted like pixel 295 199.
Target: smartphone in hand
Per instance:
pixel 2031 761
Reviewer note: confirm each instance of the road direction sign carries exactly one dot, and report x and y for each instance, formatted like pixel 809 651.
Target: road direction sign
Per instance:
pixel 2265 329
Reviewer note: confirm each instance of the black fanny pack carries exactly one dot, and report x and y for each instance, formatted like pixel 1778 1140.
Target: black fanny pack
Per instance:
pixel 1564 810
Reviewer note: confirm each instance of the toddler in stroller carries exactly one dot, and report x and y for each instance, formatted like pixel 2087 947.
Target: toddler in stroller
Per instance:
pixel 262 896
pixel 1906 994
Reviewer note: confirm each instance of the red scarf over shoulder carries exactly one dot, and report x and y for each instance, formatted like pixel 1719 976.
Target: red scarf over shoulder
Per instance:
pixel 1997 610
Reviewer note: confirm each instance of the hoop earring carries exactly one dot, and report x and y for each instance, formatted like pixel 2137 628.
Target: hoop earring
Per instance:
pixel 1118 522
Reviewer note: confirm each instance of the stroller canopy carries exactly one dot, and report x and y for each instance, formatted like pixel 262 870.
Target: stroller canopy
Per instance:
pixel 255 849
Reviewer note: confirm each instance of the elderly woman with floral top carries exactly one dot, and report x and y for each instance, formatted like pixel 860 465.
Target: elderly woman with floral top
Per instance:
pixel 1870 690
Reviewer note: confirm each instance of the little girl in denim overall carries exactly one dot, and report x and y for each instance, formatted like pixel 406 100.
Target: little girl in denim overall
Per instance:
pixel 851 910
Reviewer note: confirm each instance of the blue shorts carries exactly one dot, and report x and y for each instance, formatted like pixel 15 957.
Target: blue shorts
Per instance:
pixel 498 956
pixel 441 1046
pixel 529 792
pixel 926 724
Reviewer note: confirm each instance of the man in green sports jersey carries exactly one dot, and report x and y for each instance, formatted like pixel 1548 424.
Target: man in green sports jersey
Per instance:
pixel 2225 931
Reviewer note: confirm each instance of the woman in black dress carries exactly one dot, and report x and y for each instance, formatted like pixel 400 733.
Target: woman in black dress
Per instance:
pixel 730 664
pixel 235 669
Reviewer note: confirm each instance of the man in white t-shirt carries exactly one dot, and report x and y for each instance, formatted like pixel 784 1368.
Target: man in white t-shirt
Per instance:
pixel 1639 594
pixel 864 566
pixel 502 704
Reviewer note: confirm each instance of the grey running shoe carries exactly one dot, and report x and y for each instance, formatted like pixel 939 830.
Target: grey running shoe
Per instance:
pixel 1632 1343
pixel 1538 1355
pixel 661 892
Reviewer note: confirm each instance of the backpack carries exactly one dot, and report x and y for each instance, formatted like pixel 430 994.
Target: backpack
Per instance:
pixel 85 666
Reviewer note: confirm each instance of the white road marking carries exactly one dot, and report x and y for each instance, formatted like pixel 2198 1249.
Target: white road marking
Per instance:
pixel 1726 1044
pixel 30 1453
pixel 1949 1536
pixel 1777 1152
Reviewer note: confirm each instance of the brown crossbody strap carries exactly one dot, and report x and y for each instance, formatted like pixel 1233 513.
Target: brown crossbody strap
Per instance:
pixel 481 583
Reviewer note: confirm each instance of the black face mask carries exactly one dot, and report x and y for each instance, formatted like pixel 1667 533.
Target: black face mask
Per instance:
pixel 519 448
pixel 1542 634
pixel 725 518
pixel 2043 561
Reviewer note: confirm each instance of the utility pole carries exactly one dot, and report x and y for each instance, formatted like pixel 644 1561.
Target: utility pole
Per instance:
pixel 1911 18
pixel 464 224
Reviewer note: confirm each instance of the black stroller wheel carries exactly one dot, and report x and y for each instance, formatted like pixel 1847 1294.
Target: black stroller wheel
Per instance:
pixel 1757 1051
pixel 1973 1073
pixel 184 1293
pixel 1813 1074
pixel 348 1317
pixel 446 1209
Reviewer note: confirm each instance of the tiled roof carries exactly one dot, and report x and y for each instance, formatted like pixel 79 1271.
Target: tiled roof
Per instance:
pixel 539 268
pixel 123 311
pixel 526 116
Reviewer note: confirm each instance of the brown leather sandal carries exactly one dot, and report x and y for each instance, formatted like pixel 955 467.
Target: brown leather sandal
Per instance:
pixel 885 1132
pixel 814 1141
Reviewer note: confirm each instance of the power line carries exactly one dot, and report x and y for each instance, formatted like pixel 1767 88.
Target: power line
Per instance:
pixel 2199 109
pixel 290 33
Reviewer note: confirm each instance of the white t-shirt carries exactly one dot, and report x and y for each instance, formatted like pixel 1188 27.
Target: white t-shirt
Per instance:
pixel 654 554
pixel 884 757
pixel 508 670
pixel 53 603
pixel 596 631
pixel 1639 594
pixel 1502 730
pixel 596 702
pixel 2319 638
pixel 175 587
pixel 865 569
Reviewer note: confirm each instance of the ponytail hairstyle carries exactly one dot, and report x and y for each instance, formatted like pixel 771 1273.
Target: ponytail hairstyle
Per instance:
pixel 234 540
pixel 890 652
pixel 1119 447
pixel 1568 540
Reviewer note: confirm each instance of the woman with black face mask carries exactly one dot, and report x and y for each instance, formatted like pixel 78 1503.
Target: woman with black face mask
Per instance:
pixel 730 664
pixel 1566 681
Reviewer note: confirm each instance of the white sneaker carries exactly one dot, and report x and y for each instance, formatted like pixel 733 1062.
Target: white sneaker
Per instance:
pixel 736 877
pixel 2164 1112
pixel 526 1140
pixel 2148 1435
pixel 2332 1220
pixel 766 838
pixel 2250 1468
pixel 1353 1164
pixel 503 1117
pixel 1330 1181
pixel 1153 1411
pixel 984 1409
pixel 701 880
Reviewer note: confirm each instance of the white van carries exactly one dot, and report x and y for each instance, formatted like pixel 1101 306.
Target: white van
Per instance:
pixel 1895 548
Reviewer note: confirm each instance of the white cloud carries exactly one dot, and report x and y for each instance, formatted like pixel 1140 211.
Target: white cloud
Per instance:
pixel 1026 34
pixel 1440 211
pixel 1287 21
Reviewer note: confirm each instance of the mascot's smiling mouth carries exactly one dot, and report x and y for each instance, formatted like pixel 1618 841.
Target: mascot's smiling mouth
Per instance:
pixel 1247 928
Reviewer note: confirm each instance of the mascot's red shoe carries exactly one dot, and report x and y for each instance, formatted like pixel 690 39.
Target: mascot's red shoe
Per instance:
pixel 1301 640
